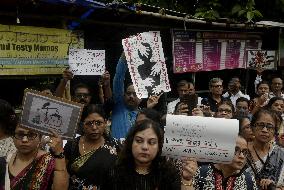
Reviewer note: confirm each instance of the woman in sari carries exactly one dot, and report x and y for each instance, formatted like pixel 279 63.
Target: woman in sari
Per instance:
pixel 33 169
pixel 266 159
pixel 92 154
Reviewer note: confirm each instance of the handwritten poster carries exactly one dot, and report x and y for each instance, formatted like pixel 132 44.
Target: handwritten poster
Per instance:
pixel 205 138
pixel 261 59
pixel 195 51
pixel 28 50
pixel 87 62
pixel 146 63
pixel 42 113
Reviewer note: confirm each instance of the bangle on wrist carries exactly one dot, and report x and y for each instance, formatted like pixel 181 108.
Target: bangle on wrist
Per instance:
pixel 63 170
pixel 60 155
pixel 187 184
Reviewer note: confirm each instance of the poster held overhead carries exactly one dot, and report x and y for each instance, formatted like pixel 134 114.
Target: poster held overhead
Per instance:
pixel 87 62
pixel 205 138
pixel 146 63
pixel 43 112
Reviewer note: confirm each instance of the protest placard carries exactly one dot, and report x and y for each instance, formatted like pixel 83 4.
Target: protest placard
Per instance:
pixel 205 138
pixel 261 59
pixel 146 63
pixel 43 112
pixel 87 62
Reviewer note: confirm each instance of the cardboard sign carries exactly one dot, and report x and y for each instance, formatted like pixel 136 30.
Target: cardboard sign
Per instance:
pixel 43 112
pixel 261 59
pixel 205 138
pixel 87 62
pixel 146 63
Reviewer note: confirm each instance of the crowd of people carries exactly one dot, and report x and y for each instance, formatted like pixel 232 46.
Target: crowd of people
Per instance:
pixel 119 140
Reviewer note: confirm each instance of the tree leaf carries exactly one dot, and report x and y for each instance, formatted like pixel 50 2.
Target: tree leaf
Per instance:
pixel 236 8
pixel 257 13
pixel 241 12
pixel 250 15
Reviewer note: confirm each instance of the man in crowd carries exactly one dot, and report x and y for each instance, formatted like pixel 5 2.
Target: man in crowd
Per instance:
pixel 276 87
pixel 215 96
pixel 183 88
pixel 126 102
pixel 234 91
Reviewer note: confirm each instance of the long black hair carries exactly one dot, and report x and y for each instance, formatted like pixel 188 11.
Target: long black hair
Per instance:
pixel 8 118
pixel 126 157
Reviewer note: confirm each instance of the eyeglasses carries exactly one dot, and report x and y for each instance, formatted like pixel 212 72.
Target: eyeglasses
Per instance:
pixel 81 95
pixel 268 126
pixel 216 86
pixel 30 136
pixel 94 122
pixel 224 110
pixel 238 151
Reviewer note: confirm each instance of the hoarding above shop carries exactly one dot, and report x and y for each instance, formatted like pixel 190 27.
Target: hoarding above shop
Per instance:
pixel 195 51
pixel 27 50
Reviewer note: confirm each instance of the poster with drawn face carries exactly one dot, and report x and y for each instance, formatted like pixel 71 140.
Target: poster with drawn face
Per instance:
pixel 87 62
pixel 42 113
pixel 261 59
pixel 146 63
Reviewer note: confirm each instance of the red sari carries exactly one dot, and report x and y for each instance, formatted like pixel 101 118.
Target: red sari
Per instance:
pixel 36 176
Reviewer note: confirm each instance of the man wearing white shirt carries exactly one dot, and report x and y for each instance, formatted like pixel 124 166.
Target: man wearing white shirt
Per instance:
pixel 183 88
pixel 234 91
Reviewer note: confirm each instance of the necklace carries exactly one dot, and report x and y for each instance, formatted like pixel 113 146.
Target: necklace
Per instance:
pixel 258 156
pixel 142 171
pixel 93 148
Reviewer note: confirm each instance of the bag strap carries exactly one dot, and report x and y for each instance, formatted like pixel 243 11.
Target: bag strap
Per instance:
pixel 248 179
pixel 202 177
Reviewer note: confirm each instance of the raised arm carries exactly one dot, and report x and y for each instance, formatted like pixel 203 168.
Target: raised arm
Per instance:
pixel 118 80
pixel 67 75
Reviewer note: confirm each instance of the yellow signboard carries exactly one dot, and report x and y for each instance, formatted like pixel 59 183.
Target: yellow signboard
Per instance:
pixel 26 50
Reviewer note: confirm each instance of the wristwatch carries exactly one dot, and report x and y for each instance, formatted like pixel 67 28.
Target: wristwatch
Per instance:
pixel 60 155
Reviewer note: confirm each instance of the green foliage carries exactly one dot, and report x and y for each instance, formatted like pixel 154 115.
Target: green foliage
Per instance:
pixel 246 12
pixel 236 10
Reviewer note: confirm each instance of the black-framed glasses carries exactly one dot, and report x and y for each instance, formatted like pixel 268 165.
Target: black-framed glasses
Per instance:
pixel 220 110
pixel 93 122
pixel 217 86
pixel 238 151
pixel 29 136
pixel 268 126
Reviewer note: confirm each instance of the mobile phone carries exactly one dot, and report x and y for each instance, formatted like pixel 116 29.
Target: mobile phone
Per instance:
pixel 191 100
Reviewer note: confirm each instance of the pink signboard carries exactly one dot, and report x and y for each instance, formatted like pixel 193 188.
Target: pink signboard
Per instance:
pixel 195 51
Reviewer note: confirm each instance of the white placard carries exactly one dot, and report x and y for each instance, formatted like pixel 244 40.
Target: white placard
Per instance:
pixel 146 63
pixel 205 138
pixel 261 59
pixel 87 62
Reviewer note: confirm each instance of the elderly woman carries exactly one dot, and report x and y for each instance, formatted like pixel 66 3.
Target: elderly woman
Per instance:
pixel 226 176
pixel 91 155
pixel 32 168
pixel 141 166
pixel 265 158
pixel 8 123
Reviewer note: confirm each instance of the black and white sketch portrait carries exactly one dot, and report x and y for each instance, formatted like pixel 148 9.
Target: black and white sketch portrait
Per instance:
pixel 43 113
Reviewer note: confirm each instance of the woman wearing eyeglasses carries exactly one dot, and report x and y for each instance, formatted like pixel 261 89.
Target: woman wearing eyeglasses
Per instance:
pixel 91 155
pixel 266 159
pixel 225 109
pixel 32 168
pixel 226 176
